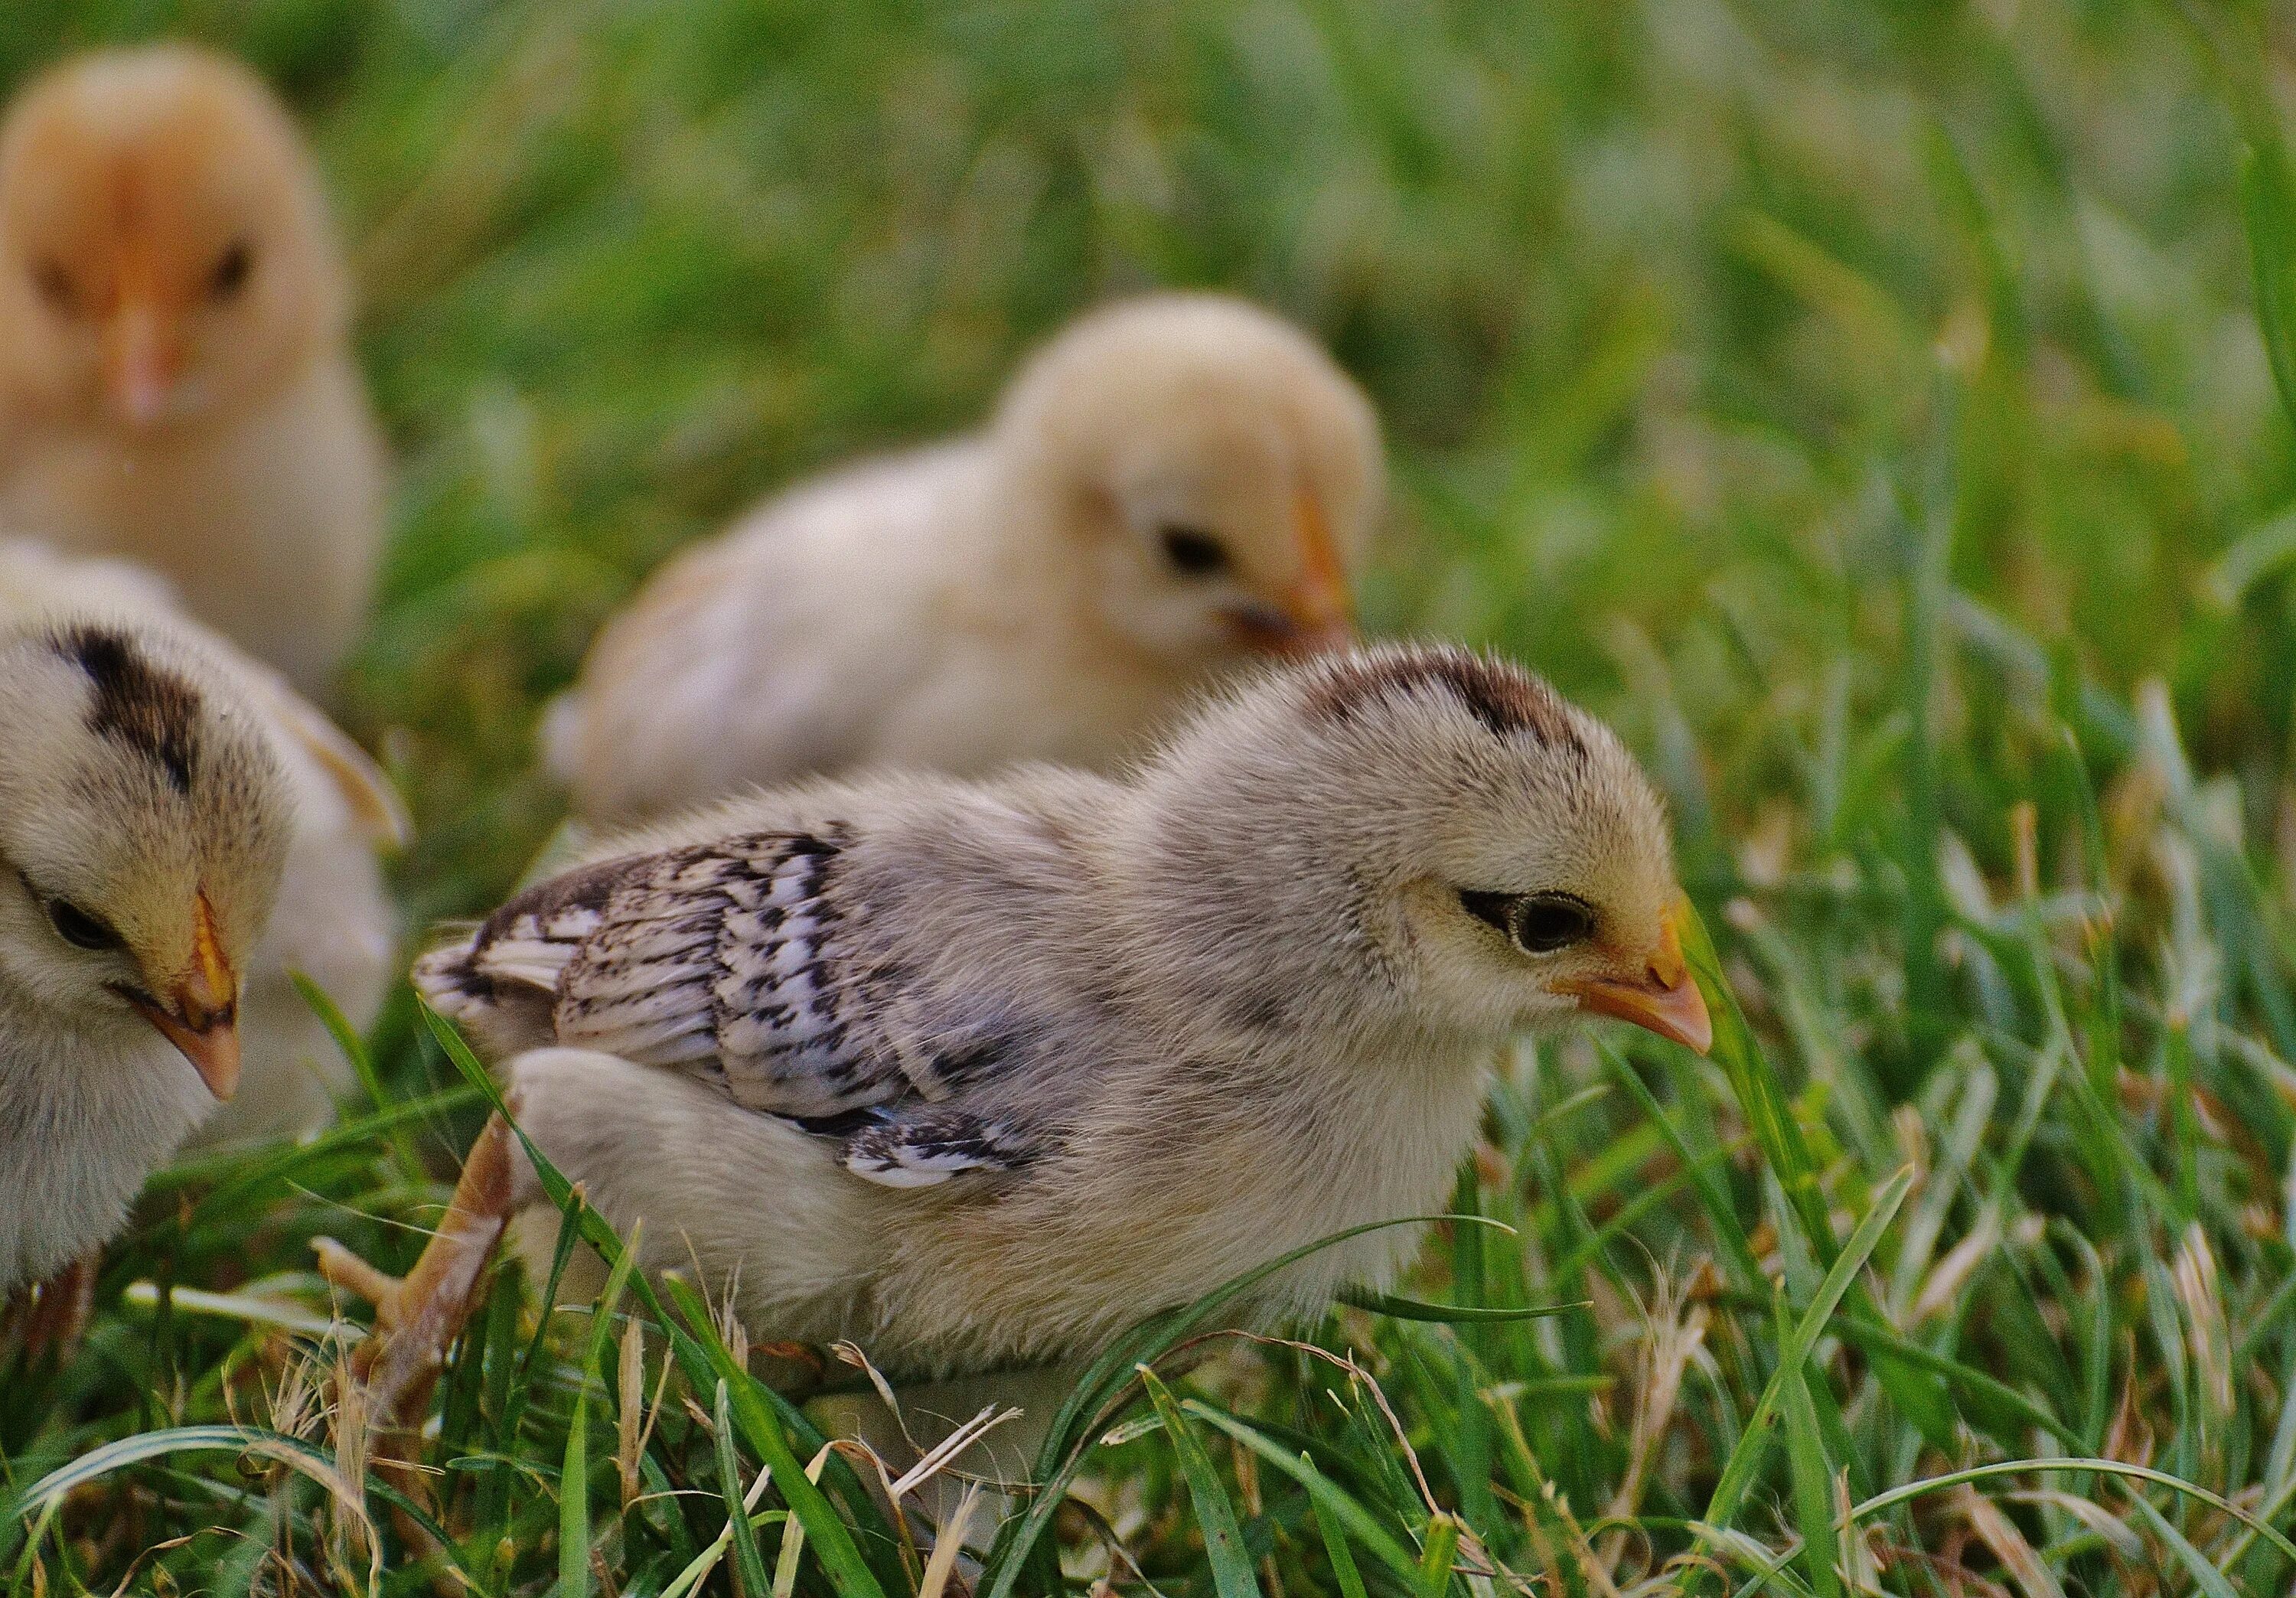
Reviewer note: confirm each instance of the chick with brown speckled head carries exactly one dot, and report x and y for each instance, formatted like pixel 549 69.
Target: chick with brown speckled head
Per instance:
pixel 334 922
pixel 977 1073
pixel 146 822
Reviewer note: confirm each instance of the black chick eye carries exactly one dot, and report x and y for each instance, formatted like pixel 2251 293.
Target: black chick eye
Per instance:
pixel 1544 923
pixel 79 929
pixel 230 273
pixel 1196 554
pixel 1538 923
pixel 55 285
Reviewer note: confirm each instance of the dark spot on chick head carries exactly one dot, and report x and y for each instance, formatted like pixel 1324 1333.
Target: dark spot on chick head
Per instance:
pixel 138 704
pixel 1506 700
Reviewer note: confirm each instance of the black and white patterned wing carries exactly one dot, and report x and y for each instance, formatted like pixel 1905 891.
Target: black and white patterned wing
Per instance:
pixel 724 961
pixel 720 959
pixel 916 1144
pixel 724 957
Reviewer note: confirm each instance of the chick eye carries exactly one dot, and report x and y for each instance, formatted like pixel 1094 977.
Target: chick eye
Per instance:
pixel 1544 923
pixel 1196 554
pixel 1537 923
pixel 79 929
pixel 55 285
pixel 230 273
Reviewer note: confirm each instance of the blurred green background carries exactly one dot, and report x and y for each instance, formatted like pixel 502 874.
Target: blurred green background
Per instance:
pixel 1687 319
pixel 1864 405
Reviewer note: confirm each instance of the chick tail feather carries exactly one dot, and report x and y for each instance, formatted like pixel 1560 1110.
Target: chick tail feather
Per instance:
pixel 450 982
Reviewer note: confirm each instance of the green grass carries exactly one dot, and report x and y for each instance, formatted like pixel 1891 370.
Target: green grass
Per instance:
pixel 1867 406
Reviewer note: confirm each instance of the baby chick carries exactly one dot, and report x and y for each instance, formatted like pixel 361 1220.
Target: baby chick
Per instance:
pixel 976 1073
pixel 1173 486
pixel 333 919
pixel 144 822
pixel 175 379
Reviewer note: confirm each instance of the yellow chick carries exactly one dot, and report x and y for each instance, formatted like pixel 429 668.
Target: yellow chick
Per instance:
pixel 1174 486
pixel 331 918
pixel 176 381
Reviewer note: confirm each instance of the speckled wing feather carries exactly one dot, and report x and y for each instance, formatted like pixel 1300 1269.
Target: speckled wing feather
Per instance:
pixel 722 959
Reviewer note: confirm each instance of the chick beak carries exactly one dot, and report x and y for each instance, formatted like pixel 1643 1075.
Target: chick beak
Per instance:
pixel 1314 614
pixel 201 1013
pixel 1661 998
pixel 141 362
pixel 1318 604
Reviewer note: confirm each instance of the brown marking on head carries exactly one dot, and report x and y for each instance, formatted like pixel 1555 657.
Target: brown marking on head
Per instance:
pixel 137 703
pixel 1507 699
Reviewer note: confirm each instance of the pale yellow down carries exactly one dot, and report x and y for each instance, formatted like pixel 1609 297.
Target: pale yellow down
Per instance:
pixel 333 919
pixel 176 382
pixel 1021 592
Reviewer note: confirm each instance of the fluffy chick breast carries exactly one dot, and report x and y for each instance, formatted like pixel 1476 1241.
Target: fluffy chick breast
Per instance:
pixel 1172 486
pixel 174 377
pixel 332 918
pixel 978 1072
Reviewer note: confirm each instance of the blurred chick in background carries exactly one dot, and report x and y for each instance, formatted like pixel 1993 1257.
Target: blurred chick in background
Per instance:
pixel 1174 486
pixel 146 822
pixel 332 920
pixel 176 381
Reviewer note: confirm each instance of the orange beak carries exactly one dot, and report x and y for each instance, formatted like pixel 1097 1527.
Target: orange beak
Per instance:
pixel 1662 998
pixel 200 1017
pixel 1316 614
pixel 142 358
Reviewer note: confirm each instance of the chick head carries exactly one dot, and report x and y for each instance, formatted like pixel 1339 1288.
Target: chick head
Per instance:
pixel 144 823
pixel 165 253
pixel 1452 844
pixel 1219 474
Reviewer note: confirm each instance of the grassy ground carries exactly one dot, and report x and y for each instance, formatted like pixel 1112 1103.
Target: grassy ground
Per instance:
pixel 1863 405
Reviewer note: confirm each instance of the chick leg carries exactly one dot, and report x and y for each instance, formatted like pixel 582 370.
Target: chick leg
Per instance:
pixel 418 1316
pixel 47 1322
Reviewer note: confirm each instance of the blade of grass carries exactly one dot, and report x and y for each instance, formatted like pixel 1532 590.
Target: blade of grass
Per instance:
pixel 1762 1101
pixel 1335 1541
pixel 1908 1491
pixel 793 1537
pixel 1813 1480
pixel 1224 1551
pixel 1737 1477
pixel 1326 1495
pixel 355 1049
pixel 1435 1558
pixel 574 1474
pixel 749 1563
pixel 1415 1309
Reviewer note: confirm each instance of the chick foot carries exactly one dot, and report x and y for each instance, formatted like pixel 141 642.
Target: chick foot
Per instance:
pixel 418 1316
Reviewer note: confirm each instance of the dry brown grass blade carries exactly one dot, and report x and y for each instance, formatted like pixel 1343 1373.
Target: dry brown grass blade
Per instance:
pixel 1998 1533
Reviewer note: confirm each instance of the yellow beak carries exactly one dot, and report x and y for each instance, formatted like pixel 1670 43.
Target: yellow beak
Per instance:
pixel 142 360
pixel 1318 603
pixel 200 1016
pixel 1661 998
pixel 1314 613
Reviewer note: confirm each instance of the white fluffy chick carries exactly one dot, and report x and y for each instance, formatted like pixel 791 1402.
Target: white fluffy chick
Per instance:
pixel 333 919
pixel 1172 487
pixel 144 822
pixel 976 1074
pixel 176 381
